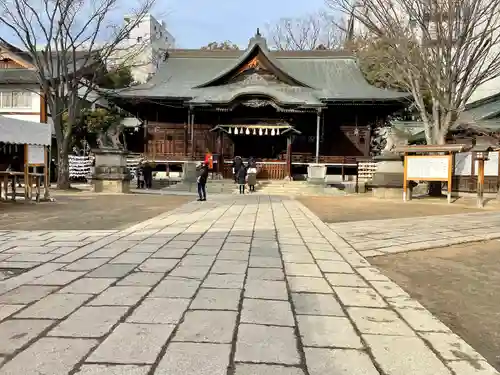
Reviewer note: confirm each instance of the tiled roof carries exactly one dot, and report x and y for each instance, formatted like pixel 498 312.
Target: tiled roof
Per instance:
pixel 328 75
pixel 18 76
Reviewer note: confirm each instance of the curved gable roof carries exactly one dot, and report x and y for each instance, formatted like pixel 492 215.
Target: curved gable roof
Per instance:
pixel 257 44
pixel 328 75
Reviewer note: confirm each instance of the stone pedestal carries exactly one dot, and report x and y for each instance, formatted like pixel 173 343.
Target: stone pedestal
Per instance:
pixel 189 174
pixel 316 174
pixel 388 178
pixel 111 174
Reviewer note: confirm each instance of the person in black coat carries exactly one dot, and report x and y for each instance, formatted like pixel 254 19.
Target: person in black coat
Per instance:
pixel 237 164
pixel 242 176
pixel 202 172
pixel 148 175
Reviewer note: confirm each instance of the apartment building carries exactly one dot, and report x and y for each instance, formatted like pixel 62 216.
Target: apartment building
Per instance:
pixel 145 48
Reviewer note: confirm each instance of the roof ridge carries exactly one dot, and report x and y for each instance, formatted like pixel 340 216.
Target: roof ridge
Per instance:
pixel 305 54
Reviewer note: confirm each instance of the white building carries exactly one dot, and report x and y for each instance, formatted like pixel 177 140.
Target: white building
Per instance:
pixel 145 47
pixel 19 89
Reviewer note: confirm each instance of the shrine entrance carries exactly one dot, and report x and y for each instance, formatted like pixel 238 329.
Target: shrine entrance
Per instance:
pixel 268 144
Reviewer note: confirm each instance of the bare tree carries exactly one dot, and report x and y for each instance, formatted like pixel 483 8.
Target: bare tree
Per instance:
pixel 315 31
pixel 70 43
pixel 223 46
pixel 439 50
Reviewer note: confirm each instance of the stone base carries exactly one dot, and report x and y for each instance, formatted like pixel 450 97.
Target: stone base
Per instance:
pixel 388 179
pixel 387 193
pixel 351 187
pixel 189 174
pixel 111 186
pixel 316 174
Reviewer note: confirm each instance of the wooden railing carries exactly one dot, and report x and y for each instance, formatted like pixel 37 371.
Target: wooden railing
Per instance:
pixel 265 170
pixel 325 159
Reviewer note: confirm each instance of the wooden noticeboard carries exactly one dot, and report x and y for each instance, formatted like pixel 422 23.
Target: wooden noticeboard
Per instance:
pixel 428 168
pixel 36 155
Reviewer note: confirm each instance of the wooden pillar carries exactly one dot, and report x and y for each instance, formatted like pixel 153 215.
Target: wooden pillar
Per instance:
pixel 43 110
pixel 368 140
pixel 480 182
pixel 26 173
pixel 192 136
pixel 187 131
pixel 6 185
pixel 46 194
pixel 318 126
pixel 289 156
pixel 406 196
pixel 220 151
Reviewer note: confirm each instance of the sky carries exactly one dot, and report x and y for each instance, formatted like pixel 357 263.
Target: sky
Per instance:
pixel 195 23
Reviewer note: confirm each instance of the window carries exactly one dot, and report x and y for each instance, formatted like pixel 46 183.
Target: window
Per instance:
pixel 15 99
pixel 139 39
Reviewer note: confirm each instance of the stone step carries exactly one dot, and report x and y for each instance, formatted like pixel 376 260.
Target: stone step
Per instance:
pixel 283 188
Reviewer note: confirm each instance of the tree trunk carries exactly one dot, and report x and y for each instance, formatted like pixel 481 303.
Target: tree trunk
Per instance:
pixel 63 166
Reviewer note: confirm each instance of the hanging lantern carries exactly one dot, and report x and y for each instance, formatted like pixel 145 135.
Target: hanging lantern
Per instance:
pixel 260 131
pixel 230 131
pixel 254 131
pixel 273 132
pixel 277 132
pixel 247 132
pixel 266 132
pixel 236 131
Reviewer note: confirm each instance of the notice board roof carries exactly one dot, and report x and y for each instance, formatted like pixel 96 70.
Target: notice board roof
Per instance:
pixel 420 149
pixel 24 132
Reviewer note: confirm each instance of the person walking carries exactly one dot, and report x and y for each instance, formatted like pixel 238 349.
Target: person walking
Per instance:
pixel 148 175
pixel 252 175
pixel 237 164
pixel 202 172
pixel 139 174
pixel 241 177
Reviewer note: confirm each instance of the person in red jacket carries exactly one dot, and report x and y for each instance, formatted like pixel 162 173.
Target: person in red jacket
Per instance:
pixel 209 160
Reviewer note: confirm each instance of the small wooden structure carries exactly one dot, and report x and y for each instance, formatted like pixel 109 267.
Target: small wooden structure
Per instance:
pixel 481 153
pixel 429 163
pixel 35 138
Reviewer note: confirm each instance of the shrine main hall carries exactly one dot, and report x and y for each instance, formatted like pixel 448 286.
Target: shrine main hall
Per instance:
pixel 286 109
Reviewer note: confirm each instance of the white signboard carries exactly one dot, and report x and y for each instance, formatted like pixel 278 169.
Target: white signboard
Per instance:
pixel 490 165
pixel 463 164
pixel 36 154
pixel 427 167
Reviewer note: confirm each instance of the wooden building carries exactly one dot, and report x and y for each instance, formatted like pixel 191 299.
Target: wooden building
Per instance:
pixel 20 94
pixel 286 109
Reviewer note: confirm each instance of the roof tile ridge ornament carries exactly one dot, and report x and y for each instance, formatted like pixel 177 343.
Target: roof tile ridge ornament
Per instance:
pixel 258 39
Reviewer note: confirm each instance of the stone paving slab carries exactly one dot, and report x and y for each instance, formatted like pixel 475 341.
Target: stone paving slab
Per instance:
pixel 249 285
pixel 380 237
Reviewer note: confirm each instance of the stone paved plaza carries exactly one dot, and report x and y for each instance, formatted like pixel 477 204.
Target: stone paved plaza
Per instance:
pixel 237 286
pixel 379 237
